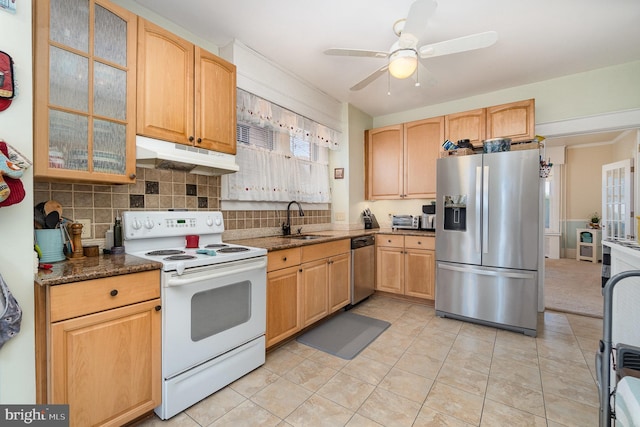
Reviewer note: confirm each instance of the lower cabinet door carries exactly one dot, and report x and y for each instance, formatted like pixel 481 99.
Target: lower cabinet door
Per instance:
pixel 283 300
pixel 315 294
pixel 390 270
pixel 339 281
pixel 419 273
pixel 112 357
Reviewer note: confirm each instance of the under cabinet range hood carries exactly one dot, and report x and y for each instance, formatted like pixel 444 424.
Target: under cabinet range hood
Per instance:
pixel 158 154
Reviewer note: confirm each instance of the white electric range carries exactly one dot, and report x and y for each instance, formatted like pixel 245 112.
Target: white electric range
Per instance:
pixel 213 302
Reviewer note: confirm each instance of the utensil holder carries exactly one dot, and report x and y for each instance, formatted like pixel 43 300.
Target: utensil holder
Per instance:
pixel 50 243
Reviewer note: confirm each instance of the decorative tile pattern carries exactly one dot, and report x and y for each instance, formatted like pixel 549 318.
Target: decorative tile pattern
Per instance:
pixel 157 189
pixel 152 187
pixel 136 201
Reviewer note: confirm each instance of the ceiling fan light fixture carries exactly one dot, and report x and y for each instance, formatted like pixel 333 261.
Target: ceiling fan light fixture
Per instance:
pixel 403 63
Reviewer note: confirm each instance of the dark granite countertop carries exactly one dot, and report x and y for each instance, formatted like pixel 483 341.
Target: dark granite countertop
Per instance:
pixel 93 268
pixel 275 243
pixel 88 268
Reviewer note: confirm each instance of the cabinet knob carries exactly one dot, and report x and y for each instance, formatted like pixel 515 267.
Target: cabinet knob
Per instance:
pixel 114 292
pixel 158 307
pixel 199 140
pixel 419 242
pixel 132 176
pixel 389 241
pixel 190 138
pixel 284 258
pixel 300 270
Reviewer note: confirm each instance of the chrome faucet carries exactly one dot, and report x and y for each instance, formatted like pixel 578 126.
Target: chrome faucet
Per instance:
pixel 286 227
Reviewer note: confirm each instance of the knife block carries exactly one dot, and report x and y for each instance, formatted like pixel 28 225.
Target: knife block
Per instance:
pixel 370 222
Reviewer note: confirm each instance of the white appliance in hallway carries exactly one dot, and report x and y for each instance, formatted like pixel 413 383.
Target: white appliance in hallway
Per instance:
pixel 488 239
pixel 213 302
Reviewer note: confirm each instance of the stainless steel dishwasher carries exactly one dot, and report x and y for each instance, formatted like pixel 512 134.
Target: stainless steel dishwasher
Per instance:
pixel 362 267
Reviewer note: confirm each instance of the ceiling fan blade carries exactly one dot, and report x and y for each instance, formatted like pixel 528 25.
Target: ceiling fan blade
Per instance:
pixel 416 23
pixel 356 52
pixel 460 44
pixel 369 79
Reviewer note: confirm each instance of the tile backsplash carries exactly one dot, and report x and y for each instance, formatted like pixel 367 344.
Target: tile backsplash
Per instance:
pixel 157 189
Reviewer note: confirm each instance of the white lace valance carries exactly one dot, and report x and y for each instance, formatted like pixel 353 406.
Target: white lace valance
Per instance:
pixel 252 109
pixel 276 177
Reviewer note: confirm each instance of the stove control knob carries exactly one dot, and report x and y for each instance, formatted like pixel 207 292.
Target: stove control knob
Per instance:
pixel 136 225
pixel 148 223
pixel 218 221
pixel 209 221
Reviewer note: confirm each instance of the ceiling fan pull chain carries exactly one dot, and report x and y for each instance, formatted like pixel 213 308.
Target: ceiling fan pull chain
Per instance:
pixel 388 84
pixel 417 76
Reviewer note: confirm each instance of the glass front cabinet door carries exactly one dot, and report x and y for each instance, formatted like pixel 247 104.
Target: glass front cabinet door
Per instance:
pixel 85 76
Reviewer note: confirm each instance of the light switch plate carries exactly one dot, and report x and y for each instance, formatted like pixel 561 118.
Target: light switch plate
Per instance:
pixel 86 228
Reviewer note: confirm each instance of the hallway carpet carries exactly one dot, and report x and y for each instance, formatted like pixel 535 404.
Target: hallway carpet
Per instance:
pixel 573 286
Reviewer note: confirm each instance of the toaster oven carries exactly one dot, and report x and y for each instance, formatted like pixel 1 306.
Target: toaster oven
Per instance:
pixel 405 221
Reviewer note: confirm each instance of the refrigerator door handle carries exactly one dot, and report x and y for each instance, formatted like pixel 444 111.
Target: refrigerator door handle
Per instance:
pixel 485 210
pixel 511 275
pixel 478 206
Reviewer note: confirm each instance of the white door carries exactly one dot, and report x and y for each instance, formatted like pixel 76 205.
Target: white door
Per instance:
pixel 617 187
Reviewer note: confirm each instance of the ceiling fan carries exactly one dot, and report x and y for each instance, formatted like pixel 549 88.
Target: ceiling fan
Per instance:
pixel 405 52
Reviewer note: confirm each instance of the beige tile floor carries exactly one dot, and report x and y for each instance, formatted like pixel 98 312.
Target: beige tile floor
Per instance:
pixel 422 371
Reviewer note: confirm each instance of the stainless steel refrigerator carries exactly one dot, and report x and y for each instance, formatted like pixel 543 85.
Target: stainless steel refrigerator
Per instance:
pixel 488 239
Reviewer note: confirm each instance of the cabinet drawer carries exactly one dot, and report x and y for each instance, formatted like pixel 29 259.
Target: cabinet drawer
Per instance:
pixel 283 259
pixel 389 240
pixel 325 250
pixel 420 242
pixel 91 296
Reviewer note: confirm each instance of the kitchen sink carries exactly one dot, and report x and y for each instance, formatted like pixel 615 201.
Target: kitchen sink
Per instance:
pixel 303 236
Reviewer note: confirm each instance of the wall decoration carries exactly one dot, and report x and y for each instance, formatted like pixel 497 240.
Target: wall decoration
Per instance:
pixel 8 5
pixel 6 80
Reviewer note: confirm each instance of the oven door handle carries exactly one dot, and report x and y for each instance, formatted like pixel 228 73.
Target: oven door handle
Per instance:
pixel 217 272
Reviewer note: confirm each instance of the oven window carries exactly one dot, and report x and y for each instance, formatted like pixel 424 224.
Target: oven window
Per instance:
pixel 220 309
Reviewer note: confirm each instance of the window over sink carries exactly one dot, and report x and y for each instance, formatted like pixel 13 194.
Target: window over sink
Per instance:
pixel 282 156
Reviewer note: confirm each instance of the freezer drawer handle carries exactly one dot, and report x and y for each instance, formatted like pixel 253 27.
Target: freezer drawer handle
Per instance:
pixel 486 272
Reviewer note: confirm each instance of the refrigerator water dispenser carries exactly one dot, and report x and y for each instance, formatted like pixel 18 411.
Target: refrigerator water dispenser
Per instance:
pixel 455 213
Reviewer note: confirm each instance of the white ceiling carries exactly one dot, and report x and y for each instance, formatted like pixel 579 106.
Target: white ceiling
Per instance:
pixel 538 40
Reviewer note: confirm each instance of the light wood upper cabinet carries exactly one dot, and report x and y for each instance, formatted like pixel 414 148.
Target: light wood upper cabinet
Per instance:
pixel 401 159
pixel 384 163
pixel 515 120
pixel 469 125
pixel 215 103
pixel 422 142
pixel 186 94
pixel 85 81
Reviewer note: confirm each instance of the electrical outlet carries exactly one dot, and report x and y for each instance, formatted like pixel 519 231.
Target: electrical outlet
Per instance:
pixel 86 228
pixel 340 216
